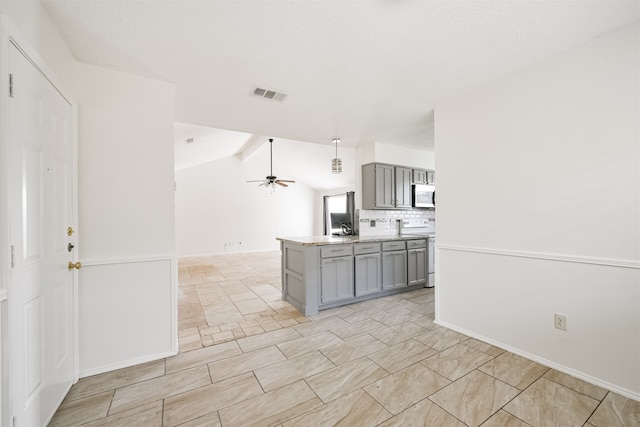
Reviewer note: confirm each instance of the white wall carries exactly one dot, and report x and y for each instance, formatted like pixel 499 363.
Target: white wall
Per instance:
pixel 30 18
pixel 126 218
pixel 214 206
pixel 539 211
pixel 36 29
pixel 404 156
pixel 125 198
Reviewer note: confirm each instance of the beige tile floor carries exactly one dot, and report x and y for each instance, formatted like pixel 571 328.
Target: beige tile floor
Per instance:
pixel 249 359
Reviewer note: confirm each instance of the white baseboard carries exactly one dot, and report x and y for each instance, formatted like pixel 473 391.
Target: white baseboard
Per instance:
pixel 577 374
pixel 125 364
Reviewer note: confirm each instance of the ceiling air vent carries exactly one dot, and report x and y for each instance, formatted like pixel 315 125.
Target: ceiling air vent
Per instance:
pixel 268 94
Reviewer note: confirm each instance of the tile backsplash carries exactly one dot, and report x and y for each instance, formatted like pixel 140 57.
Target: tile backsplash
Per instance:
pixel 385 222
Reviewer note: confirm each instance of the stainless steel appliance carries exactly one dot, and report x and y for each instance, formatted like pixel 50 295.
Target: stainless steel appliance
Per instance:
pixel 424 196
pixel 423 227
pixel 431 262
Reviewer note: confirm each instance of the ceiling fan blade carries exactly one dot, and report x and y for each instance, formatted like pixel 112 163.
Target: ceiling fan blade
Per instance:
pixel 271 179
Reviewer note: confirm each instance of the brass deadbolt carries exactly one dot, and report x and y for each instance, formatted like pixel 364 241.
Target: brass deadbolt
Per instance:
pixel 69 231
pixel 77 265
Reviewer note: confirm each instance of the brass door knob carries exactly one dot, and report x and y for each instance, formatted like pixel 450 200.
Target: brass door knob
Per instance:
pixel 77 265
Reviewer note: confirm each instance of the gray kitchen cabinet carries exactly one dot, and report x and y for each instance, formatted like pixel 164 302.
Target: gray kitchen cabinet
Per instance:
pixel 394 265
pixel 431 177
pixel 386 186
pixel 403 187
pixel 318 275
pixel 378 186
pixel 336 278
pixel 417 266
pixel 419 176
pixel 367 274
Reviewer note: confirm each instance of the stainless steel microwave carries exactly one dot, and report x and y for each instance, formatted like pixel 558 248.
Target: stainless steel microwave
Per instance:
pixel 424 196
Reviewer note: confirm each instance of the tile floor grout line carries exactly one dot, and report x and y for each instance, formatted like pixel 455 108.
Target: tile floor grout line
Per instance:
pixel 412 310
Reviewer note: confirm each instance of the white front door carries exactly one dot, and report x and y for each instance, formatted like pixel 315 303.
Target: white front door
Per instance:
pixel 41 201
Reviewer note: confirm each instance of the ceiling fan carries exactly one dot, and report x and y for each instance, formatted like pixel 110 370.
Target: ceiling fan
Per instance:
pixel 272 180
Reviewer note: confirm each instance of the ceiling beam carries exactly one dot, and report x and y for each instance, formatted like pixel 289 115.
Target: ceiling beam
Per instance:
pixel 250 147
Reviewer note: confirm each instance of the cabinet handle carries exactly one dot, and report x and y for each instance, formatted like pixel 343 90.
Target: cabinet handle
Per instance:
pixel 367 247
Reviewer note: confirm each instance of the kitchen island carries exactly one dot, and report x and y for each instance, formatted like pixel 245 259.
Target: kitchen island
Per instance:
pixel 320 272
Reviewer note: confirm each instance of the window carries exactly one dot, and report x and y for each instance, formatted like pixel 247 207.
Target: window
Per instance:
pixel 342 206
pixel 333 204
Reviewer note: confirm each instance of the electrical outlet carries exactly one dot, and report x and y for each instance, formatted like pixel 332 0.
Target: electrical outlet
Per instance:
pixel 560 321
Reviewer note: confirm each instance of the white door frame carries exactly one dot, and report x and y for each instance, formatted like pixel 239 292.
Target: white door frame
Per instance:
pixel 9 34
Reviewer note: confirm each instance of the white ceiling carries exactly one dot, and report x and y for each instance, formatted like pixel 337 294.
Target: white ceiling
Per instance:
pixel 364 71
pixel 304 162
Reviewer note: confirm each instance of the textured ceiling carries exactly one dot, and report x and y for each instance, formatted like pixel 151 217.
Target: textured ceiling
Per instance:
pixel 361 70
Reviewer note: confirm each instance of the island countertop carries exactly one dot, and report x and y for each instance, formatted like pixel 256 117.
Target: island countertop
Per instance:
pixel 341 240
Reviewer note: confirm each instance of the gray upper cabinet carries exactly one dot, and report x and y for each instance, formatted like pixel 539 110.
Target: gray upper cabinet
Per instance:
pixel 419 176
pixel 403 187
pixel 386 186
pixel 431 177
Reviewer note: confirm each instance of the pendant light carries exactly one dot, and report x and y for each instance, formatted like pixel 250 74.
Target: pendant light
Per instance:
pixel 336 164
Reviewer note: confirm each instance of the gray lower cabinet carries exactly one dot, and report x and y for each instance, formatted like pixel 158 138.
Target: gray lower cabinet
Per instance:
pixel 367 272
pixel 417 271
pixel 336 282
pixel 316 276
pixel 417 266
pixel 394 265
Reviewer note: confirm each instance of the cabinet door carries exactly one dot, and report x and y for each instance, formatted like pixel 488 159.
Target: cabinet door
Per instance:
pixel 417 266
pixel 419 176
pixel 431 177
pixel 394 269
pixel 367 271
pixel 403 187
pixel 336 279
pixel 384 186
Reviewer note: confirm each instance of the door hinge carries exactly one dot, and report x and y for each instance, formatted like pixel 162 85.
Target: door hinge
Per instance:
pixel 13 421
pixel 13 256
pixel 11 85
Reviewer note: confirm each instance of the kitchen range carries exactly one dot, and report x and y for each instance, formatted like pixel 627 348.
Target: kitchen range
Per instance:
pixel 426 228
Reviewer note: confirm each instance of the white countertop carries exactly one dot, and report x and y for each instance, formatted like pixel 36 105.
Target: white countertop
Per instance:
pixel 341 240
